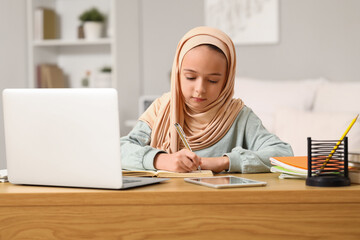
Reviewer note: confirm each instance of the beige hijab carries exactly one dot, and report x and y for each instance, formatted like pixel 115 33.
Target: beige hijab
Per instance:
pixel 203 127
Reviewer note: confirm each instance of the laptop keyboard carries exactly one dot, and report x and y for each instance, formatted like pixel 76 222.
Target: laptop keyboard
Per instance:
pixel 130 181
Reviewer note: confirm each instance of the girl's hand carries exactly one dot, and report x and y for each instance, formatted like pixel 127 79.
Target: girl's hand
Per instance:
pixel 215 164
pixel 181 161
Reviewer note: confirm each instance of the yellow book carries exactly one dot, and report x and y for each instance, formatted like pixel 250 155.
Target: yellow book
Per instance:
pixel 161 173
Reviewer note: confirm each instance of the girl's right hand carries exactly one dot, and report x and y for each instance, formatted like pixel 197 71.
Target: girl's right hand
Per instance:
pixel 181 161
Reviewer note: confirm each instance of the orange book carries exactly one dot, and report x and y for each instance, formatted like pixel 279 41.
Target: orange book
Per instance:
pixel 298 163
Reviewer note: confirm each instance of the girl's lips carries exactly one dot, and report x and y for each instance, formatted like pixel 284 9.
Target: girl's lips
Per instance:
pixel 198 99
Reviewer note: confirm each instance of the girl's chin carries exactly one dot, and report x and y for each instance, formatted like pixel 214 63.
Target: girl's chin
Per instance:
pixel 197 104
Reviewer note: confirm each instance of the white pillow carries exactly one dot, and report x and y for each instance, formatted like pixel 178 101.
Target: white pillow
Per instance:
pixel 338 97
pixel 294 126
pixel 265 97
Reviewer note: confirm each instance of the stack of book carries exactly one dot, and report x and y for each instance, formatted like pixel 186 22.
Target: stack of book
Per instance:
pixel 290 167
pixel 296 167
pixel 354 167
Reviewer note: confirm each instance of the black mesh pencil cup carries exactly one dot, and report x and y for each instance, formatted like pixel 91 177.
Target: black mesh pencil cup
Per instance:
pixel 324 169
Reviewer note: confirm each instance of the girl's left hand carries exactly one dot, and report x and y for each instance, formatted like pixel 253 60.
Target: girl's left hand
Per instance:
pixel 215 164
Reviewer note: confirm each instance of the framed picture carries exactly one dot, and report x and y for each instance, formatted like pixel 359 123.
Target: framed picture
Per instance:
pixel 245 21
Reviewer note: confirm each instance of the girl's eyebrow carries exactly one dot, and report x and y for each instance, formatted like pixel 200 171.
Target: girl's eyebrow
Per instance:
pixel 214 74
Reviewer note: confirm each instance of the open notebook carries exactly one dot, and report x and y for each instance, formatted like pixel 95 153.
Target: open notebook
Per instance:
pixel 161 173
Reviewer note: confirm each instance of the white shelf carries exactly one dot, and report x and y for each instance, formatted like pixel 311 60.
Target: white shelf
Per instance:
pixel 74 56
pixel 74 42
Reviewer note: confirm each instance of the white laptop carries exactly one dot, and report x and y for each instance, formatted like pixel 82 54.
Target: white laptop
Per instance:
pixel 65 137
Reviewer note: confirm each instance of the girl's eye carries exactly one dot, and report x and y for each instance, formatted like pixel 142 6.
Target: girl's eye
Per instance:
pixel 213 81
pixel 190 78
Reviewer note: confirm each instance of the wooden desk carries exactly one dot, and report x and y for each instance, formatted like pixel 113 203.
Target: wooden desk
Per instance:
pixel 284 209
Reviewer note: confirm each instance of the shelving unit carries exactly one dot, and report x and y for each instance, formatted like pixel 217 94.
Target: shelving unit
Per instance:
pixel 79 42
pixel 74 56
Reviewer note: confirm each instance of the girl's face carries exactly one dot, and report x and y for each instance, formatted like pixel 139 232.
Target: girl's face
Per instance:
pixel 202 76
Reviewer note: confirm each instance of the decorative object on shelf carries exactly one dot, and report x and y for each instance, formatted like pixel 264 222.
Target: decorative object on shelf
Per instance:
pixel 80 32
pixel 85 82
pixel 45 24
pixel 103 78
pixel 50 76
pixel 93 21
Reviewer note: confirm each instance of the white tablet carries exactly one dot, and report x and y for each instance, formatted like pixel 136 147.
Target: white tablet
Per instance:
pixel 225 182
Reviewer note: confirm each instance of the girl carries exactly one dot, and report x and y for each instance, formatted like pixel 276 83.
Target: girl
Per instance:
pixel 224 134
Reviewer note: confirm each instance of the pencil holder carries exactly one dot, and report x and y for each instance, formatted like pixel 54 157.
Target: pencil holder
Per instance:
pixel 326 169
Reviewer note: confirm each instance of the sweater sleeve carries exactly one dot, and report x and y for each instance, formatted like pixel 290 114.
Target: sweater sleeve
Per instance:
pixel 136 153
pixel 258 146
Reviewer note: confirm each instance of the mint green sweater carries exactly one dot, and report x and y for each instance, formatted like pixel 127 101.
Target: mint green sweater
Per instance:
pixel 247 144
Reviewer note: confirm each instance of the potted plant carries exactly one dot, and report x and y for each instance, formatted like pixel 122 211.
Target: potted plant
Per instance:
pixel 93 21
pixel 103 78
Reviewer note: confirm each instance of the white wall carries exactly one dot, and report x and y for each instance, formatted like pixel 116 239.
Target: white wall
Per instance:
pixel 317 38
pixel 163 23
pixel 129 62
pixel 12 54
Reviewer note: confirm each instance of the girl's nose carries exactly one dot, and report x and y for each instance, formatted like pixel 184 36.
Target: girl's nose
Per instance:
pixel 200 86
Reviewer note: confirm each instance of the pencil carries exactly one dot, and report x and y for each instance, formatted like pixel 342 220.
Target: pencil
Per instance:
pixel 337 145
pixel 183 138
